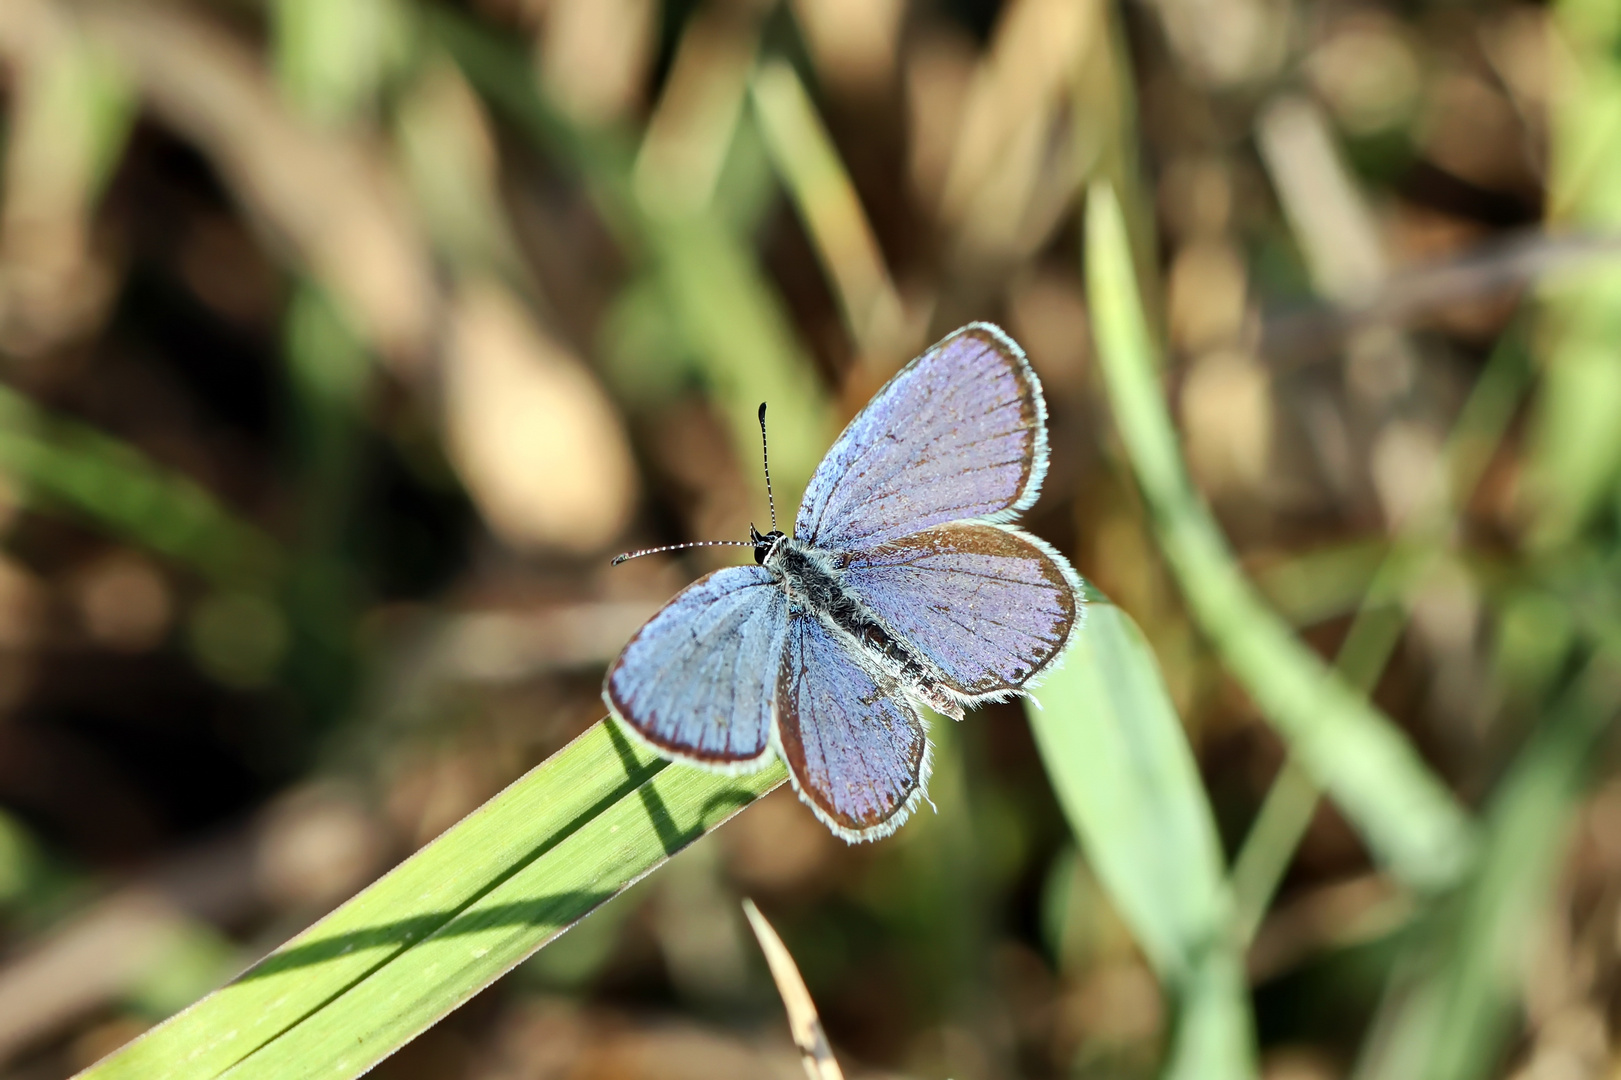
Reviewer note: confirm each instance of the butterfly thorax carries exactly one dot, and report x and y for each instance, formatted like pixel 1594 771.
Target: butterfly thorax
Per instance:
pixel 814 582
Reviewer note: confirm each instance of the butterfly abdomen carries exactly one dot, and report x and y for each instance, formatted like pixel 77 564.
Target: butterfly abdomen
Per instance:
pixel 815 585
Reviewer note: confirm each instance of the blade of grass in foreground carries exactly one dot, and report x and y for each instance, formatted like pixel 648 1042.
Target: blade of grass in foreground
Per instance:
pixel 566 838
pixel 1407 816
pixel 1124 774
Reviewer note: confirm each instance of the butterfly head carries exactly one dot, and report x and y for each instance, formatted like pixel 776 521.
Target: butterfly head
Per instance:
pixel 763 543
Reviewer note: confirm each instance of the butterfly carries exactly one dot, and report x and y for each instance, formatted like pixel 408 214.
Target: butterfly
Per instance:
pixel 902 585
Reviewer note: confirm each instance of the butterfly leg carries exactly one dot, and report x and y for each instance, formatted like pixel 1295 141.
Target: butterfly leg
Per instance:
pixel 938 698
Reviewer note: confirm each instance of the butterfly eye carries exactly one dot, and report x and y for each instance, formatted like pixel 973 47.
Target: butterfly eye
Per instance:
pixel 763 543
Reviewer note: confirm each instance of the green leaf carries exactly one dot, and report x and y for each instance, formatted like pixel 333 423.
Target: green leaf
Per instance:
pixel 575 832
pixel 1408 817
pixel 1125 776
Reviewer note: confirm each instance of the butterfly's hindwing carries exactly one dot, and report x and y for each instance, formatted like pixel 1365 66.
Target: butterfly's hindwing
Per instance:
pixel 987 607
pixel 855 749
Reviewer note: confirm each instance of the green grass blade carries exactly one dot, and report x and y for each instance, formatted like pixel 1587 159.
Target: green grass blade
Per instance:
pixel 1407 816
pixel 1125 776
pixel 1574 441
pixel 736 323
pixel 1419 549
pixel 1123 772
pixel 1269 846
pixel 71 467
pixel 570 835
pixel 719 296
pixel 825 196
pixel 1215 1033
pixel 1456 1021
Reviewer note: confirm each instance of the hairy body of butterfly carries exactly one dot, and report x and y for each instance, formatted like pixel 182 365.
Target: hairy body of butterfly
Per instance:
pixel 903 584
pixel 815 586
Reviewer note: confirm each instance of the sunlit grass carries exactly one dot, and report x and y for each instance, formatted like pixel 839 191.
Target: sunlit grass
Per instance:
pixel 571 835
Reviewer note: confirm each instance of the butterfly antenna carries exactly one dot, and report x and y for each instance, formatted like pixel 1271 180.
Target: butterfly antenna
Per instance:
pixel 629 555
pixel 765 459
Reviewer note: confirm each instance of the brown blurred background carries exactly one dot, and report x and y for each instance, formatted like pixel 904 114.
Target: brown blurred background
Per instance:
pixel 341 344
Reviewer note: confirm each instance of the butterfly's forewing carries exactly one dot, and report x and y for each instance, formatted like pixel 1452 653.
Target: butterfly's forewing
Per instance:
pixel 856 751
pixel 959 433
pixel 696 682
pixel 987 605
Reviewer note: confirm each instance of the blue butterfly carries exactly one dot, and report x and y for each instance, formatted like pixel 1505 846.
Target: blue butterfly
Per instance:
pixel 903 584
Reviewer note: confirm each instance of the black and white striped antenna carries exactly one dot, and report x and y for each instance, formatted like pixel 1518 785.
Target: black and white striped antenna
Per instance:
pixel 771 501
pixel 629 555
pixel 765 459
